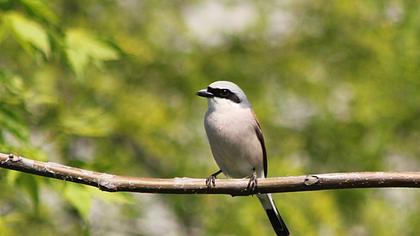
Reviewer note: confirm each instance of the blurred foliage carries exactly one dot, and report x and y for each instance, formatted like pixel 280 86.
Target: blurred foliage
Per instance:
pixel 109 86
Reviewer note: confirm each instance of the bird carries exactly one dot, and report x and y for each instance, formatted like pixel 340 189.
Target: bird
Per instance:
pixel 237 143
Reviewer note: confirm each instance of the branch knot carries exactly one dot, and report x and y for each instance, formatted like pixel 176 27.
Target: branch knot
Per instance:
pixel 311 180
pixel 14 158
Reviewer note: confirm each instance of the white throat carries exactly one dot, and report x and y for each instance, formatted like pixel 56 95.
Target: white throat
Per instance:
pixel 221 105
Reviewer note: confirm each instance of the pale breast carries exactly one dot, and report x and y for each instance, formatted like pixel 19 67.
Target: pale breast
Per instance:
pixel 234 143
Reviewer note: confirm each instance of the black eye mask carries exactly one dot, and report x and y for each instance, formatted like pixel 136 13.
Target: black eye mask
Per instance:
pixel 224 93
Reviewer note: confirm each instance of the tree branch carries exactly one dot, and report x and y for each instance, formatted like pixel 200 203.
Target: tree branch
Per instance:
pixel 115 183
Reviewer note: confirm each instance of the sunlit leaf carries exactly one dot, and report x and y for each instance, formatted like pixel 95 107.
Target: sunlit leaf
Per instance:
pixel 29 32
pixel 84 48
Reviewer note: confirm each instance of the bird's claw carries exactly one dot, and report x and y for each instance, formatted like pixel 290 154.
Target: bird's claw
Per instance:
pixel 211 181
pixel 253 182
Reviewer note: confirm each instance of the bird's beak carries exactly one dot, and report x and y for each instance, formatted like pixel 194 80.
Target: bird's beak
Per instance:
pixel 205 93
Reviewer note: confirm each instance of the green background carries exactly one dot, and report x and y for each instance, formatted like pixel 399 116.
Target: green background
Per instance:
pixel 110 86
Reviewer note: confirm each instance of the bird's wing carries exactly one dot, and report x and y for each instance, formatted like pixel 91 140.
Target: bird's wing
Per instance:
pixel 260 136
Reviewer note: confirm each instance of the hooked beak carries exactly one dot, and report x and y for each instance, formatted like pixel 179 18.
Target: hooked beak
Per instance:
pixel 205 93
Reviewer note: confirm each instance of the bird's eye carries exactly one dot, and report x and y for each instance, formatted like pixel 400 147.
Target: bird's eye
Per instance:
pixel 224 92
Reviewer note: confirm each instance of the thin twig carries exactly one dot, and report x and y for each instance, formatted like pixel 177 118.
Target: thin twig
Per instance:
pixel 115 183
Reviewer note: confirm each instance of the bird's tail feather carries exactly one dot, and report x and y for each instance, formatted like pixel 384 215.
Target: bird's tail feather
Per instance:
pixel 273 214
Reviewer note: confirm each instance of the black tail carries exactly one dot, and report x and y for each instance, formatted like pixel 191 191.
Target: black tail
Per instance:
pixel 273 214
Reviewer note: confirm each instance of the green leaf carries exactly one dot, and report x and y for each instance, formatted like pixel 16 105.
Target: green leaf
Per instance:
pixel 79 197
pixel 83 48
pixel 28 32
pixel 40 9
pixel 31 186
pixel 12 106
pixel 15 127
pixel 12 176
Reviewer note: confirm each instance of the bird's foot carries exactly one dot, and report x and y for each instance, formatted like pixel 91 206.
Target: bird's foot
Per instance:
pixel 253 182
pixel 211 181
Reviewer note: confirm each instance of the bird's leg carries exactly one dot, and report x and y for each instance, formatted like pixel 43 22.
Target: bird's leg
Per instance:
pixel 253 181
pixel 211 180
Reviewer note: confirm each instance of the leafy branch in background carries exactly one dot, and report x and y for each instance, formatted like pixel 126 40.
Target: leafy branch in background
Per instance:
pixel 35 49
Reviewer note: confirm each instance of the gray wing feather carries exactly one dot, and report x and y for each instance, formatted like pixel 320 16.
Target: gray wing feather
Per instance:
pixel 260 136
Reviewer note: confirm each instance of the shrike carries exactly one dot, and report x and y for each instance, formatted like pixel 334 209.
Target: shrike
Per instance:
pixel 237 143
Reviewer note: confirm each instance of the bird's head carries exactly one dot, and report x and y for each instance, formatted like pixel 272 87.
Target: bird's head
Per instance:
pixel 224 94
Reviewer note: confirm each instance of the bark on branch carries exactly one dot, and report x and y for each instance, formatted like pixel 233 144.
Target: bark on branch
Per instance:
pixel 115 183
